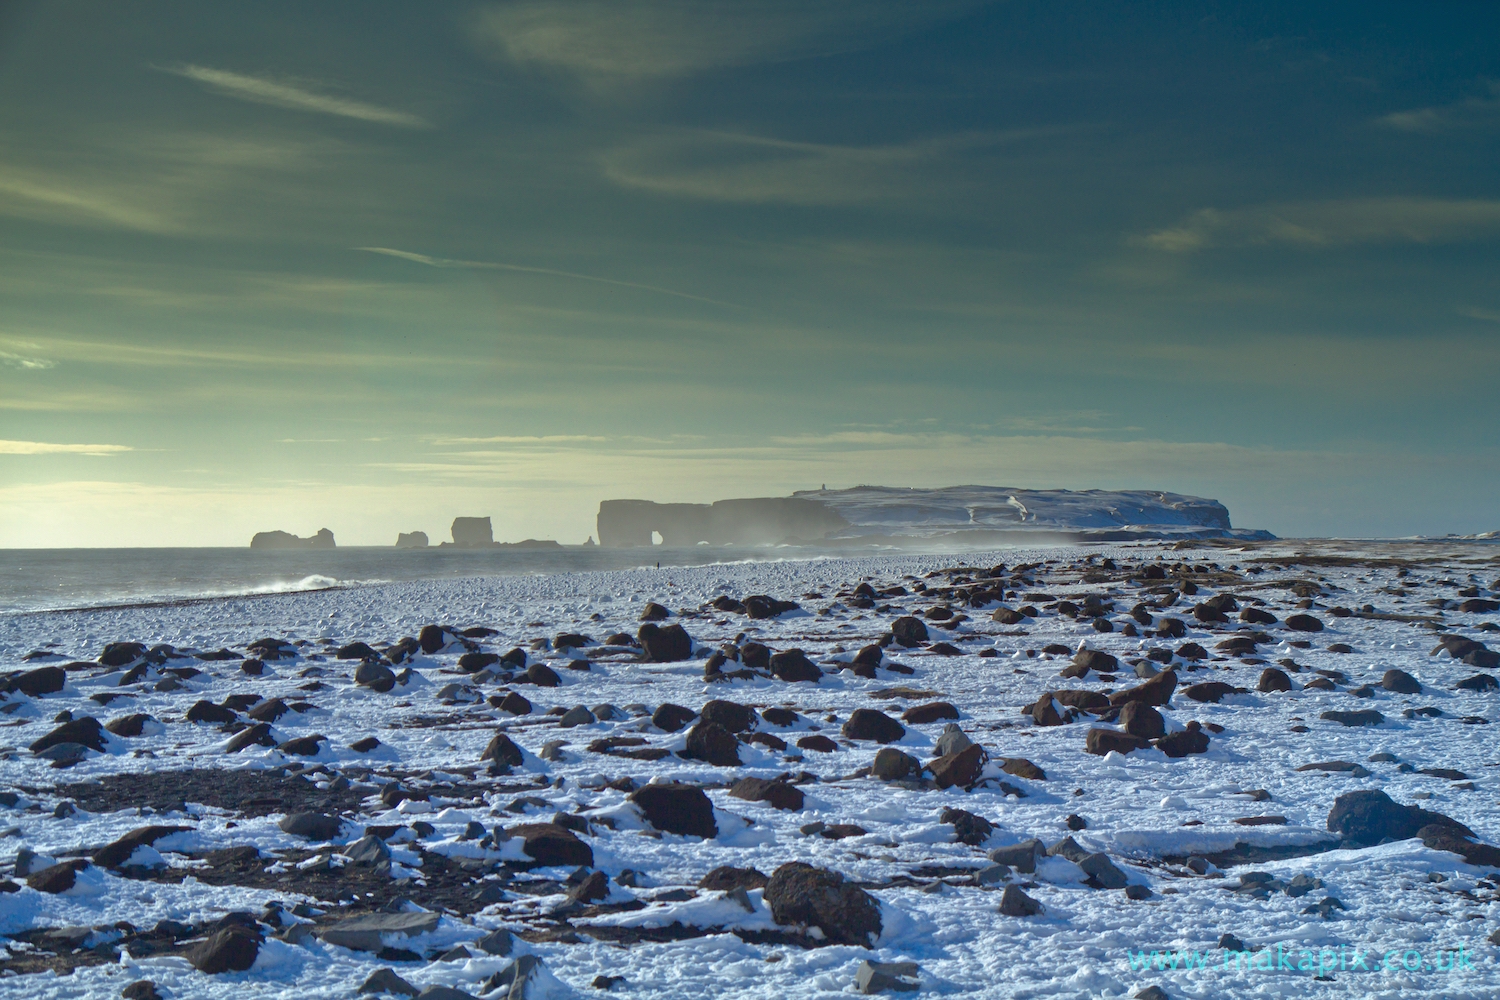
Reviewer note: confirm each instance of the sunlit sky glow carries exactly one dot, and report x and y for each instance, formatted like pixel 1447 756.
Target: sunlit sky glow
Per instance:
pixel 370 266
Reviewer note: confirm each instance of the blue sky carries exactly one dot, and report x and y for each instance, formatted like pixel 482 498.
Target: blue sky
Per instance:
pixel 371 266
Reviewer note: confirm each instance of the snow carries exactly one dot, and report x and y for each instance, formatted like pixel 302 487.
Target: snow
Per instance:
pixel 1136 805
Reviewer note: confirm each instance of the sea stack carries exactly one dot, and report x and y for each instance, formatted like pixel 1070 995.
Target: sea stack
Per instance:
pixel 286 540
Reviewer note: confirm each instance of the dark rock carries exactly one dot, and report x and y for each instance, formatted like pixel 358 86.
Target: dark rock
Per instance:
pixel 542 676
pixel 909 632
pixel 1141 720
pixel 961 769
pixel 141 989
pixel 967 827
pixel 1208 691
pixel 514 704
pixel 1095 660
pixel 128 725
pixel 386 981
pixel 35 683
pixel 878 977
pixel 817 742
pixel 375 676
pixel 1101 741
pixel 713 744
pixel 304 746
pixel 732 716
pixel 872 724
pixel 665 644
pixel 1089 701
pixel 935 711
pixel 1273 679
pixel 57 878
pixel 472 663
pixel 1304 623
pixel 232 949
pixel 1479 682
pixel 778 794
pixel 1103 872
pixel 119 654
pixel 1022 857
pixel 1022 768
pixel 654 612
pixel 312 825
pixel 368 931
pixel 893 765
pixel 1015 903
pixel 1368 817
pixel 1044 712
pixel 503 750
pixel 761 606
pixel 1400 682
pixel 670 718
pixel 727 879
pixel 1366 717
pixel 677 808
pixel 207 711
pixel 256 735
pixel 780 716
pixel 1157 691
pixel 117 853
pixel 85 731
pixel 1188 741
pixel 800 894
pixel 357 651
pixel 793 666
pixel 550 845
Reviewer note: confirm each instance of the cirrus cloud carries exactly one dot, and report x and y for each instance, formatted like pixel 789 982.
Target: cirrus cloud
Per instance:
pixel 50 448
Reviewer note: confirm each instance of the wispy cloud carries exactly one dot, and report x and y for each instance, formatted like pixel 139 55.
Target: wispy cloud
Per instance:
pixel 725 166
pixel 543 439
pixel 9 360
pixel 484 265
pixel 48 448
pixel 1334 223
pixel 606 43
pixel 29 194
pixel 1471 112
pixel 297 96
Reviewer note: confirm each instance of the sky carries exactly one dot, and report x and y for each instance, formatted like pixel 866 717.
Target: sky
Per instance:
pixel 371 266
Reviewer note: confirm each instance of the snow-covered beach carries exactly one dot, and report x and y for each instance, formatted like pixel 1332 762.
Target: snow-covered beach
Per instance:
pixel 423 825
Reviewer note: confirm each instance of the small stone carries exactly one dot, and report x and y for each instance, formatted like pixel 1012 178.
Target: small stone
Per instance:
pixel 878 977
pixel 893 765
pixel 386 981
pixel 232 949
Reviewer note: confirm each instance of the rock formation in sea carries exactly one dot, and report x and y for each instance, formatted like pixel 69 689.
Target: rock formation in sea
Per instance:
pixel 978 515
pixel 473 533
pixel 411 540
pixel 286 540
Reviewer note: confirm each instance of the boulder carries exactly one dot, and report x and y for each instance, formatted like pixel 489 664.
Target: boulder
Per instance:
pixel 961 769
pixel 256 735
pixel 713 744
pixel 878 977
pixel 1103 872
pixel 1157 691
pixel 386 980
pixel 1273 679
pixel 542 676
pixel 732 716
pixel 1095 660
pixel 550 845
pixel 514 704
pixel 1102 741
pixel 375 675
pixel 1400 682
pixel 129 726
pixel 761 606
pixel 1209 691
pixel 207 711
pixel 726 879
pixel 778 794
pixel 56 879
pixel 503 750
pixel 35 683
pixel 1188 741
pixel 1141 720
pixel 670 718
pixel 85 731
pixel 799 894
pixel 119 654
pixel 119 851
pixel 311 825
pixel 893 765
pixel 667 644
pixel 1368 817
pixel 677 808
pixel 1365 717
pixel 1022 768
pixel 921 715
pixel 1015 903
pixel 873 725
pixel 654 612
pixel 909 632
pixel 1022 857
pixel 968 828
pixel 793 666
pixel 230 949
pixel 1304 623
pixel 366 932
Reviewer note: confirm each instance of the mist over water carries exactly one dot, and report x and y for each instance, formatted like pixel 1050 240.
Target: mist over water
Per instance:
pixel 49 579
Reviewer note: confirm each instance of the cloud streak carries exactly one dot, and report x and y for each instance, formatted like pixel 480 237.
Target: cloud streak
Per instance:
pixel 261 90
pixel 606 43
pixel 1471 112
pixel 1317 224
pixel 484 265
pixel 48 448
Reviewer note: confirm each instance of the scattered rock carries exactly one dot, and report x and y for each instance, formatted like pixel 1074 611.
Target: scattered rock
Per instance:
pixel 1015 903
pixel 1400 682
pixel 677 808
pixel 872 724
pixel 800 894
pixel 778 794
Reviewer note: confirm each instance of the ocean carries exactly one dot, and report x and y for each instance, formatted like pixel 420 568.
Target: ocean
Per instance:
pixel 56 579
